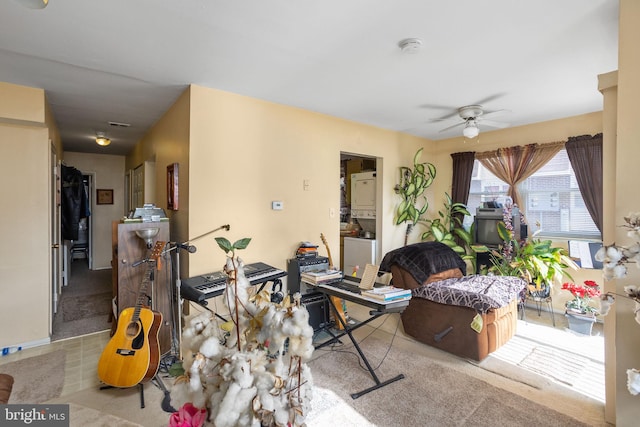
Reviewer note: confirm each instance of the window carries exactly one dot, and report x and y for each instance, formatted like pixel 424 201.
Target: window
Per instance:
pixel 550 196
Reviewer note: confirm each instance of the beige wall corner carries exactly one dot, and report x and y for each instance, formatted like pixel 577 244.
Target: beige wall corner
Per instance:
pixel 626 200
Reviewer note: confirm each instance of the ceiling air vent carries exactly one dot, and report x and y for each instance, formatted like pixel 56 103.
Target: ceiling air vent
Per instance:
pixel 119 125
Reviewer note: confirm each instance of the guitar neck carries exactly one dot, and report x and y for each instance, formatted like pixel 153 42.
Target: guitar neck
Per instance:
pixel 142 294
pixel 148 277
pixel 326 245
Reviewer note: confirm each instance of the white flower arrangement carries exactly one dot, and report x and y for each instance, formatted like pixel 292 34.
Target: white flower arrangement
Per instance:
pixel 251 370
pixel 614 257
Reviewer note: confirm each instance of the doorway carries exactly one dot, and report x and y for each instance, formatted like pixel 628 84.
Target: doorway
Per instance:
pixel 359 199
pixel 84 304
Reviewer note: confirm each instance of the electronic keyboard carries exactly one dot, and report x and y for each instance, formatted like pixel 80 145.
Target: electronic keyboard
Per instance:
pixel 346 286
pixel 201 288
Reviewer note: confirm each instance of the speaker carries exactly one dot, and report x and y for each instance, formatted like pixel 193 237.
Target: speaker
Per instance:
pixel 318 308
pixel 295 266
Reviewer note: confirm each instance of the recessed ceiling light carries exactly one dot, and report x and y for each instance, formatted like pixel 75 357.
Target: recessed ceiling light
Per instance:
pixel 410 45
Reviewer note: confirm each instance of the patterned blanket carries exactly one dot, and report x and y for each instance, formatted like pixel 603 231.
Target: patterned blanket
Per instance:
pixel 481 293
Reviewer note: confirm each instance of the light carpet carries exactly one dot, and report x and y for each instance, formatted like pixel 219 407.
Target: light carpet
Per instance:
pixel 35 381
pixel 430 395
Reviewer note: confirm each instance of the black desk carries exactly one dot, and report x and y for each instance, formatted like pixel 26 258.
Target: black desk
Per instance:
pixel 379 308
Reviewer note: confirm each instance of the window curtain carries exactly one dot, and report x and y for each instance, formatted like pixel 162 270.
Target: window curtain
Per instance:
pixel 515 164
pixel 462 171
pixel 585 155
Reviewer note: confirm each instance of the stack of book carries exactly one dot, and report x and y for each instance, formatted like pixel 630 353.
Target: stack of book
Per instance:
pixel 321 277
pixel 307 250
pixel 388 293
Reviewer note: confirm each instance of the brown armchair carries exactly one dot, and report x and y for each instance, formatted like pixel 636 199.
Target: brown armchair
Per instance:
pixel 432 271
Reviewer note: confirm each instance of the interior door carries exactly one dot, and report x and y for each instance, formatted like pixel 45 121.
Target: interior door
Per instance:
pixel 138 187
pixel 56 237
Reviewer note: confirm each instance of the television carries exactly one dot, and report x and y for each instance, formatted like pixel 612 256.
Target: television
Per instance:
pixel 486 229
pixel 486 226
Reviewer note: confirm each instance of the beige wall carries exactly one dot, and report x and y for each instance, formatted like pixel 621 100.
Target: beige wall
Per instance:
pixel 246 153
pixel 25 257
pixel 608 85
pixel 166 143
pixel 626 200
pixel 22 104
pixel 108 172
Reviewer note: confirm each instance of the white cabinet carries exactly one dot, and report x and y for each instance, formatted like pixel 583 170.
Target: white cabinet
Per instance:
pixel 358 252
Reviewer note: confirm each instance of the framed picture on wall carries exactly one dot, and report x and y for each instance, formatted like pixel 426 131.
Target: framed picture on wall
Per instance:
pixel 104 197
pixel 172 187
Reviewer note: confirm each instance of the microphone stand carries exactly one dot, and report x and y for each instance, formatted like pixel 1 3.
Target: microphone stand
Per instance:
pixel 174 246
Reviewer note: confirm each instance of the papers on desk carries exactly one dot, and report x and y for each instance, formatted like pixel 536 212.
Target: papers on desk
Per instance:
pixel 585 252
pixel 320 277
pixel 388 293
pixel 361 298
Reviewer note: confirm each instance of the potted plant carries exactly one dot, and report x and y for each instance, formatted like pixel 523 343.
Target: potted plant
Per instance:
pixel 448 229
pixel 580 314
pixel 537 261
pixel 413 183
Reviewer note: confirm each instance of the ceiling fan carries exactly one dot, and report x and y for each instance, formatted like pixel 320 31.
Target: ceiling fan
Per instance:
pixel 470 118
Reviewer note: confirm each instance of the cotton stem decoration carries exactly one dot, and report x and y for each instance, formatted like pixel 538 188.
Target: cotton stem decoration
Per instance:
pixel 250 370
pixel 615 257
pixel 633 381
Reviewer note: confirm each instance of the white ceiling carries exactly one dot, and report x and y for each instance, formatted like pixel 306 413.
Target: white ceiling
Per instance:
pixel 127 61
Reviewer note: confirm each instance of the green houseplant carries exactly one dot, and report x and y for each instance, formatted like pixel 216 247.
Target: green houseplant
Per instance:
pixel 413 182
pixel 537 261
pixel 447 228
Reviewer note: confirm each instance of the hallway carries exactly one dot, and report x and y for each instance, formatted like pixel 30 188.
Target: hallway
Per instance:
pixel 85 303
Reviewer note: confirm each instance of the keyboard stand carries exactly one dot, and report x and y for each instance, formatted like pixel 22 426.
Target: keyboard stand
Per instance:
pixel 378 310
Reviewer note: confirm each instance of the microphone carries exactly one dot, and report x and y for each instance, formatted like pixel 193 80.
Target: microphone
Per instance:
pixel 189 248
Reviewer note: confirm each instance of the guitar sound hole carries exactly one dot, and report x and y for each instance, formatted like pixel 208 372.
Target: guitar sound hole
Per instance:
pixel 133 329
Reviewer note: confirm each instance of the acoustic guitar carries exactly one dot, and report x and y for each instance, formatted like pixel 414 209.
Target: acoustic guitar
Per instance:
pixel 132 355
pixel 337 302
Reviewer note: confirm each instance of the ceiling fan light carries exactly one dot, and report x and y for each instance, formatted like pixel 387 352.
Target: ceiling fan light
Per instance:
pixel 470 130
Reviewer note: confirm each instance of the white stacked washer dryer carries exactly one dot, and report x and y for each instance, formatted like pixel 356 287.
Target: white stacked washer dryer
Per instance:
pixel 360 251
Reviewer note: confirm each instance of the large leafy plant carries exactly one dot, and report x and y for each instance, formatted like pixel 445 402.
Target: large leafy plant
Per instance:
pixel 447 228
pixel 413 182
pixel 535 260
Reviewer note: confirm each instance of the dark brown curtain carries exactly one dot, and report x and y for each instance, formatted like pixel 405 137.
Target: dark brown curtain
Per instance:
pixel 462 171
pixel 515 164
pixel 585 155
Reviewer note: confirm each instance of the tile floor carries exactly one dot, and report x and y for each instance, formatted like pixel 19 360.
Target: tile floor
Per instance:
pixel 82 355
